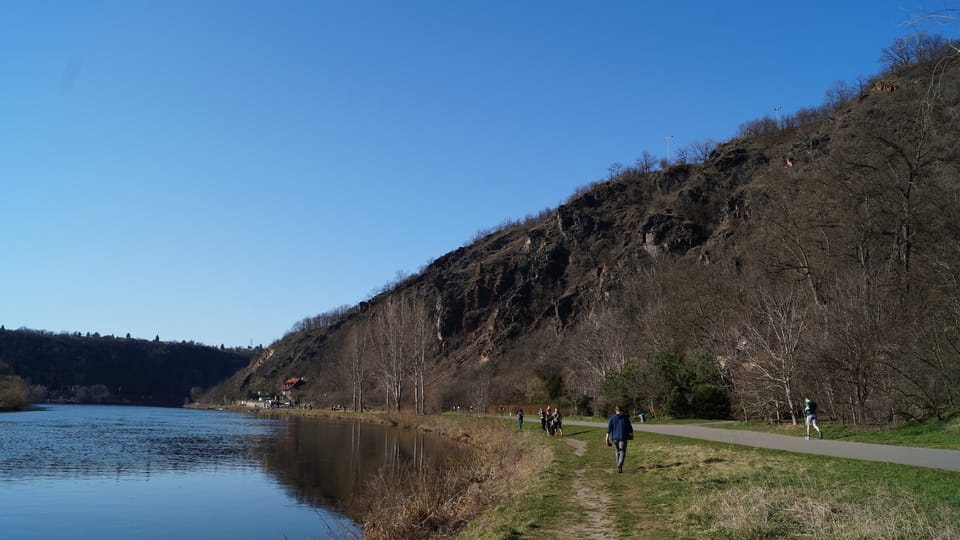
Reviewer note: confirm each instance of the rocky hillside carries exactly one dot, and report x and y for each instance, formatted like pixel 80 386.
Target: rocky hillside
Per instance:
pixel 654 285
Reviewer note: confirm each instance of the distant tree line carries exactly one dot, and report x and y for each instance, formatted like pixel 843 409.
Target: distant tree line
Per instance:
pixel 75 368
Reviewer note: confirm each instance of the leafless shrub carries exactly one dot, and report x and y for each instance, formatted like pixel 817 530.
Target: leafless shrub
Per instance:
pixel 646 162
pixel 916 48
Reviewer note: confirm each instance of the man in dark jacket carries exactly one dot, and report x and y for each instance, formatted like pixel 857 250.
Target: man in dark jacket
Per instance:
pixel 619 431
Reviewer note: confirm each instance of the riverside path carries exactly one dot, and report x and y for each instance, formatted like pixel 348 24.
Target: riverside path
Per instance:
pixel 933 458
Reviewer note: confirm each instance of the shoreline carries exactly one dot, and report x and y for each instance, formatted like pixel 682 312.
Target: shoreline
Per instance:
pixel 445 426
pixel 495 462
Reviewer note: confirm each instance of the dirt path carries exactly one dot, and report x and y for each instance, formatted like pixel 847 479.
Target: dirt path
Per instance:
pixel 593 503
pixel 579 447
pixel 933 458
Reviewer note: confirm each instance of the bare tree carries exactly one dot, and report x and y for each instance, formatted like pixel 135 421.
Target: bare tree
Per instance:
pixel 390 349
pixel 600 348
pixel 480 393
pixel 615 170
pixel 914 49
pixel 421 343
pixel 402 340
pixel 701 150
pixel 775 339
pixel 646 162
pixel 856 340
pixel 358 351
pixel 891 169
pixel 839 94
pixel 683 154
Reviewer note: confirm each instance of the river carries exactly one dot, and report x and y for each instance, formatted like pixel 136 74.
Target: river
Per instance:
pixel 85 472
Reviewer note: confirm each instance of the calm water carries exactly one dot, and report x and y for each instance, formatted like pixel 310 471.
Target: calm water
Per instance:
pixel 85 472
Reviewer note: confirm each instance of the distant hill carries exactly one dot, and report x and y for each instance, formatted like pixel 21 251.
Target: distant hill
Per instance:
pixel 813 255
pixel 94 369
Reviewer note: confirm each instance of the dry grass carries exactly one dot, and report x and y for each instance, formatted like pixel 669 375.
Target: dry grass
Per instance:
pixel 740 494
pixel 431 503
pixel 796 512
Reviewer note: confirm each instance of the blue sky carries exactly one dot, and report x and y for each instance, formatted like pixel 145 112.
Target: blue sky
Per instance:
pixel 218 170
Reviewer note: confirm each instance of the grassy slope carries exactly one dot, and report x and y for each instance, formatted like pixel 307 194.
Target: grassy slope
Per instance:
pixel 678 488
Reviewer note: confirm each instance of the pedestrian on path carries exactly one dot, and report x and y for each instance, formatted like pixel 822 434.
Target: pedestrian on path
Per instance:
pixel 810 411
pixel 519 418
pixel 543 419
pixel 619 431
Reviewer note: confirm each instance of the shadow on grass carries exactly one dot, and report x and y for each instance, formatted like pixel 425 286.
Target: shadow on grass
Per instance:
pixel 659 466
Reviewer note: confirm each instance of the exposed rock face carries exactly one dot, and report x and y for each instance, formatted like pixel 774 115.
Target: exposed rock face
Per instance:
pixel 545 274
pixel 671 234
pixel 883 87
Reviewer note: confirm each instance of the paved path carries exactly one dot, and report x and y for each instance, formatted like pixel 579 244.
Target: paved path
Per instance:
pixel 920 457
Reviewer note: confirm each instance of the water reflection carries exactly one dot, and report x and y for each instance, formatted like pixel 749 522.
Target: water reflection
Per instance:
pixel 324 463
pixel 91 472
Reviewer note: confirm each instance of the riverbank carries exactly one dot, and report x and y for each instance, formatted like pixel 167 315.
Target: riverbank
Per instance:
pixel 524 484
pixel 495 463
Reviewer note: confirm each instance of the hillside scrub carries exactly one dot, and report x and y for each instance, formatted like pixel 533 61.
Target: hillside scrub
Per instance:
pixel 813 257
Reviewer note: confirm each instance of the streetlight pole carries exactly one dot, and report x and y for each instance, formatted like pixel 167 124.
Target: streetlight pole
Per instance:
pixel 777 110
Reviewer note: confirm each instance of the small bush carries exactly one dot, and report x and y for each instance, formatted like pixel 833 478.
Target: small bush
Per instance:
pixel 13 393
pixel 710 401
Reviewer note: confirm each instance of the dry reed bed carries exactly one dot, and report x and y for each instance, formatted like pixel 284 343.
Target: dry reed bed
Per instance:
pixel 414 503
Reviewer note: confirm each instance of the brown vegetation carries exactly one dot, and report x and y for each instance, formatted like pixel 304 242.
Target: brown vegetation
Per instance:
pixel 423 503
pixel 13 391
pixel 732 285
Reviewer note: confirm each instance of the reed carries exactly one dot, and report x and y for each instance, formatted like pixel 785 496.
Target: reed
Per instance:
pixel 432 503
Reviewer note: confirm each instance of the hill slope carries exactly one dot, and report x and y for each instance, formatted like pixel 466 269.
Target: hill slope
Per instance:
pixel 816 257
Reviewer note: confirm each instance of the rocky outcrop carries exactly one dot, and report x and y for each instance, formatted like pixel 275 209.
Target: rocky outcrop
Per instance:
pixel 883 87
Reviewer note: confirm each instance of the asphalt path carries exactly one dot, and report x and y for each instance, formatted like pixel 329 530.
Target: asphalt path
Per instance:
pixel 933 458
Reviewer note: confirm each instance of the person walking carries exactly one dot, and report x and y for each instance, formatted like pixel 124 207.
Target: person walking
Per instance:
pixel 557 421
pixel 810 411
pixel 519 418
pixel 543 419
pixel 619 431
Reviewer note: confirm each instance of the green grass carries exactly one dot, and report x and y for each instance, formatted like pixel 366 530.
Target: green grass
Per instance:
pixel 540 500
pixel 930 434
pixel 680 488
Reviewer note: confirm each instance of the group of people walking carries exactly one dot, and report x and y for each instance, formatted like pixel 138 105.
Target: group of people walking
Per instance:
pixel 551 420
pixel 620 430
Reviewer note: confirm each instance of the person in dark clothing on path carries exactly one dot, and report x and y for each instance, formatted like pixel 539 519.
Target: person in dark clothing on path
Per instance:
pixel 519 418
pixel 619 431
pixel 543 419
pixel 810 411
